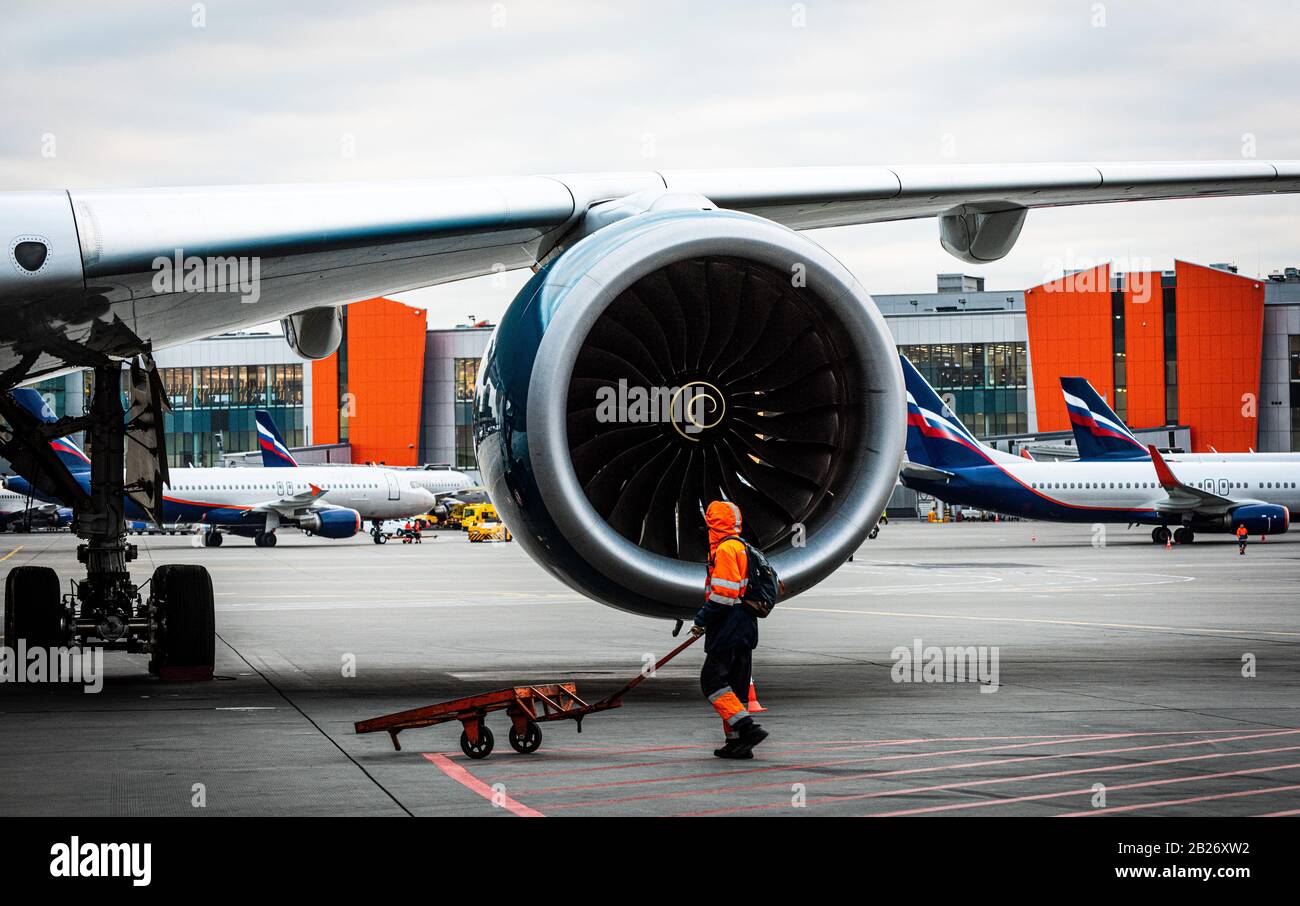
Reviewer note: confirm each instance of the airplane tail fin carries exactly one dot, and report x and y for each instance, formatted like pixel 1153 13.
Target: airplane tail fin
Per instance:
pixel 65 448
pixel 275 454
pixel 935 435
pixel 1098 431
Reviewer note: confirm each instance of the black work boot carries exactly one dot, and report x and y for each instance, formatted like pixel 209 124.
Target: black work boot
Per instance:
pixel 731 749
pixel 751 734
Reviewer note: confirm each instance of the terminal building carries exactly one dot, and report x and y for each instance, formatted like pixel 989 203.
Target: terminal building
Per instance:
pixel 1197 358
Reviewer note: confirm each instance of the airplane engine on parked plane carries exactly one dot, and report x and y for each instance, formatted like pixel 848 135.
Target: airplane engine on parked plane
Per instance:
pixel 671 358
pixel 1259 519
pixel 336 523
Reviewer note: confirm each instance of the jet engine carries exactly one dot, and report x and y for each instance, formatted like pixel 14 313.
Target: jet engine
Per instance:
pixel 1259 519
pixel 334 523
pixel 676 357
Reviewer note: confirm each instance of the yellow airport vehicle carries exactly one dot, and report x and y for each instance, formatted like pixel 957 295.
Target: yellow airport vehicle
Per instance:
pixel 489 531
pixel 476 514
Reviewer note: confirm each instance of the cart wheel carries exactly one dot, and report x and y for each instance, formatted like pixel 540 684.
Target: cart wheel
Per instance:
pixel 529 742
pixel 485 743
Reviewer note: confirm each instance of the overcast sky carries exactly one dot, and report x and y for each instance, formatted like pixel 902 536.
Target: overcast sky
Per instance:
pixel 183 93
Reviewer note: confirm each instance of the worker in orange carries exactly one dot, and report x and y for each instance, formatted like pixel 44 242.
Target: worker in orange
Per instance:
pixel 730 632
pixel 1242 537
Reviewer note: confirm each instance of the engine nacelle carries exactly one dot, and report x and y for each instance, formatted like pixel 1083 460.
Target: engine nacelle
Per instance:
pixel 1260 518
pixel 336 523
pixel 673 358
pixel 315 333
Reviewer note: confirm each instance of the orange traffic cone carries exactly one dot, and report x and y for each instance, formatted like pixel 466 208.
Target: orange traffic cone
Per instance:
pixel 753 707
pixel 1169 543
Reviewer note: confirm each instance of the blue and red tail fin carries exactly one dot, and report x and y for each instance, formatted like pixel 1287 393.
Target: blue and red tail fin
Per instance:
pixel 1098 432
pixel 275 454
pixel 935 435
pixel 72 457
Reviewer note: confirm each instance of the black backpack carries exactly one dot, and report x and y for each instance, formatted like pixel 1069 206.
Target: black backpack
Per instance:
pixel 763 587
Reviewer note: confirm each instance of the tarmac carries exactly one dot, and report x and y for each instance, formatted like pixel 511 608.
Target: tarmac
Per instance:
pixel 1107 676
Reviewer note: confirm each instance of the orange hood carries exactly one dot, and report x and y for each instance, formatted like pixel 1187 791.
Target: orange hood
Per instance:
pixel 723 519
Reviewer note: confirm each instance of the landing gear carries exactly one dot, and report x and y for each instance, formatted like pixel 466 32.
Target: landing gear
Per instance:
pixel 175 623
pixel 377 532
pixel 1160 534
pixel 264 539
pixel 34 608
pixel 213 538
pixel 1184 535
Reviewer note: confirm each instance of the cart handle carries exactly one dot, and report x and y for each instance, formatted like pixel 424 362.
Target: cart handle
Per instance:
pixel 641 677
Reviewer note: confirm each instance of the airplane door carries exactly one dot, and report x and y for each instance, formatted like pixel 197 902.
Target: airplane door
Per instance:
pixel 1223 487
pixel 393 492
pixel 279 488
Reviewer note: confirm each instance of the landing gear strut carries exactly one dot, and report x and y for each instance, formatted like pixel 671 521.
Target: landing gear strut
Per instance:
pixel 377 532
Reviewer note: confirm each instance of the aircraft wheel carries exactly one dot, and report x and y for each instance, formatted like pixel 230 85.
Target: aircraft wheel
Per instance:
pixel 1160 534
pixel 529 742
pixel 481 749
pixel 213 539
pixel 264 539
pixel 34 608
pixel 184 623
pixel 1184 535
pixel 381 538
pixel 875 530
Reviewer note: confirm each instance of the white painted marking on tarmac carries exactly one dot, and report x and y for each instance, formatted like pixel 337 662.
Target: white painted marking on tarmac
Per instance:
pixel 249 708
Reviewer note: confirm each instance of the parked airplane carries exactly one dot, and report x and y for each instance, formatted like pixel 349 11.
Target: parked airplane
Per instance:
pixel 331 501
pixel 659 278
pixel 20 513
pixel 441 483
pixel 1100 434
pixel 947 461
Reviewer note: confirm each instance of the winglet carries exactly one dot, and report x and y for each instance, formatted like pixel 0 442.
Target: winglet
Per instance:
pixel 1024 451
pixel 315 491
pixel 1163 472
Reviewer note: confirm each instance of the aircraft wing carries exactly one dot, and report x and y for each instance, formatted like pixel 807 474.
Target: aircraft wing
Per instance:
pixel 294 503
pixel 91 276
pixel 1184 498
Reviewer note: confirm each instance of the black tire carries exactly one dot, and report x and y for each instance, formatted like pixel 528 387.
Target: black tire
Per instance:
pixel 1160 534
pixel 184 635
pixel 34 608
pixel 485 743
pixel 381 538
pixel 268 540
pixel 875 530
pixel 530 742
pixel 213 539
pixel 1184 535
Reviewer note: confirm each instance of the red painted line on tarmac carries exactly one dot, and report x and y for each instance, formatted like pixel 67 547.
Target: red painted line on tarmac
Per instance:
pixel 470 782
pixel 1190 799
pixel 967 784
pixel 1086 791
pixel 806 766
pixel 871 775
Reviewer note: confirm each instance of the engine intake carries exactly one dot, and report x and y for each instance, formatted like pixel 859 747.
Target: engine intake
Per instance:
pixel 677 357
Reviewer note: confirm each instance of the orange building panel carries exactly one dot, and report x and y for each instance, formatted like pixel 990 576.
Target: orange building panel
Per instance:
pixel 385 381
pixel 325 400
pixel 1069 336
pixel 1220 337
pixel 1144 326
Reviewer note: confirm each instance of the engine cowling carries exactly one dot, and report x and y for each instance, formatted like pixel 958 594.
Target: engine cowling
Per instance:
pixel 1260 518
pixel 340 522
pixel 677 357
